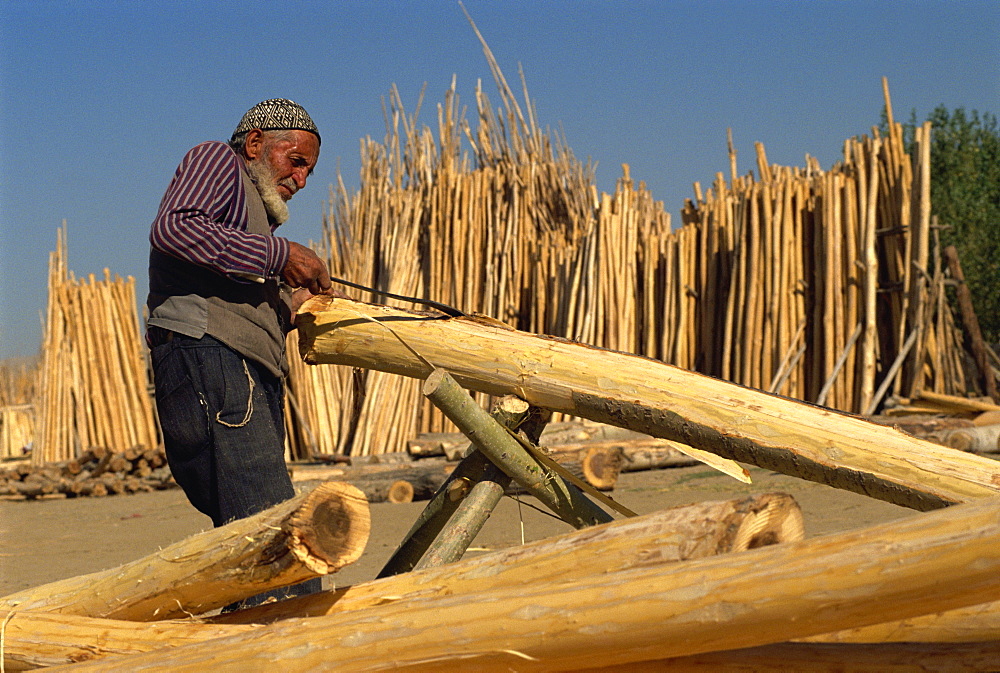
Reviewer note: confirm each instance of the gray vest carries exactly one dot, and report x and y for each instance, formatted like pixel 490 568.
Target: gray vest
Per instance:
pixel 251 318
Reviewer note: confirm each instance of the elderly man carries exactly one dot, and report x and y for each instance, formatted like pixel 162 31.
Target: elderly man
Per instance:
pixel 220 306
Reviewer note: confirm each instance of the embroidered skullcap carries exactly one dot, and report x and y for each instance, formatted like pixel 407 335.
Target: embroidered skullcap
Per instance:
pixel 276 114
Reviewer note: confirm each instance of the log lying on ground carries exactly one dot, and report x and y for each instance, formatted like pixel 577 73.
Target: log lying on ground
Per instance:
pixel 693 531
pixel 36 640
pixel 40 639
pixel 430 444
pixel 310 535
pixel 832 658
pixel 395 482
pixel 639 451
pixel 977 439
pixel 677 534
pixel 941 560
pixel 651 397
pixel 974 623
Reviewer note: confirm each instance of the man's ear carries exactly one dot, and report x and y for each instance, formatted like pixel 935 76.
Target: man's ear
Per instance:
pixel 254 144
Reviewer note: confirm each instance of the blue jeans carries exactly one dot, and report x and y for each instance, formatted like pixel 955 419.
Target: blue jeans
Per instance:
pixel 223 431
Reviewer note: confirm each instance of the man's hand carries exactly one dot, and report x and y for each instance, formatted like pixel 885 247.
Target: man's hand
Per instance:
pixel 305 269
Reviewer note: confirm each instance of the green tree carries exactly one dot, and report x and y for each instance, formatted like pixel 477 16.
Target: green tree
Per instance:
pixel 965 196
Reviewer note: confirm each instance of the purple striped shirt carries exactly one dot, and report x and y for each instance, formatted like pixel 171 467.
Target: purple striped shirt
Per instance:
pixel 203 218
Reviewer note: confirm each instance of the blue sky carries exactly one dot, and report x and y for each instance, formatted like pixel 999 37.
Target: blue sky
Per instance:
pixel 100 100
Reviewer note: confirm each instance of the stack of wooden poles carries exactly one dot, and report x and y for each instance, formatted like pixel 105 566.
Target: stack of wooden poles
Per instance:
pixel 819 285
pixel 94 384
pixel 17 413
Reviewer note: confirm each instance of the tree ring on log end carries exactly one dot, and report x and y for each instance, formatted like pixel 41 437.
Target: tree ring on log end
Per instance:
pixel 331 527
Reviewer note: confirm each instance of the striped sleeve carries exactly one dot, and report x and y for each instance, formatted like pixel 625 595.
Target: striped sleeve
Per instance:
pixel 203 218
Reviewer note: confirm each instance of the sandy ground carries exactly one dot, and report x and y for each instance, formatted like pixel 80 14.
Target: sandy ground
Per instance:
pixel 47 540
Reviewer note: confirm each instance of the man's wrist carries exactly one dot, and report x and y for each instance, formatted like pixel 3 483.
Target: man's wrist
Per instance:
pixel 277 256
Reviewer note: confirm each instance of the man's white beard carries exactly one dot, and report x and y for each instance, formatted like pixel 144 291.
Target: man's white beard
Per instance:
pixel 263 177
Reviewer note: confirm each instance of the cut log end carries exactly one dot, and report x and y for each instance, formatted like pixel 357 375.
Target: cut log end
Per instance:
pixel 764 520
pixel 330 529
pixel 401 491
pixel 601 467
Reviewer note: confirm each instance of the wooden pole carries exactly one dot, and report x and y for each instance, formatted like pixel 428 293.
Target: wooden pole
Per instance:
pixel 503 451
pixel 305 537
pixel 681 533
pixel 650 397
pixel 832 658
pixel 971 323
pixel 42 639
pixel 937 561
pixel 693 531
pixel 473 510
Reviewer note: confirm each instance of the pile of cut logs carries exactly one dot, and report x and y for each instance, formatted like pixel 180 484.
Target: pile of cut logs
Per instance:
pixel 96 472
pixel 717 586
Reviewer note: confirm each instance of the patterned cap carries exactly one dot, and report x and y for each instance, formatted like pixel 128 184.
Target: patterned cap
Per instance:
pixel 276 114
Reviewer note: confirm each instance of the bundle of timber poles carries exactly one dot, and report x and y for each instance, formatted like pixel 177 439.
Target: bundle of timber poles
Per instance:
pixel 17 428
pixel 18 383
pixel 819 285
pixel 94 387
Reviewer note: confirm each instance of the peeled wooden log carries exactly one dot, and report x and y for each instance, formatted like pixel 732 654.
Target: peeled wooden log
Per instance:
pixel 970 624
pixel 600 467
pixel 831 658
pixel 692 531
pixel 647 396
pixel 956 404
pixel 940 560
pixel 310 535
pixel 681 533
pixel 40 639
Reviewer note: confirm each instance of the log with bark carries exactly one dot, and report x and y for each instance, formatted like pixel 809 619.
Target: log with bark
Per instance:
pixel 395 482
pixel 977 439
pixel 308 536
pixel 648 396
pixel 938 561
pixel 554 435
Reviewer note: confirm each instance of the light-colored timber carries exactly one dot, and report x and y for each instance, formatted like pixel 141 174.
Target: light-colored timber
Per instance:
pixel 831 658
pixel 677 534
pixel 687 532
pixel 937 561
pixel 310 535
pixel 40 639
pixel 974 623
pixel 651 397
pixel 36 639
